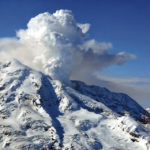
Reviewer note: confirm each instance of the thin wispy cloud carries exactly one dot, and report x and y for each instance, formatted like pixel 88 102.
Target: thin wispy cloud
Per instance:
pixel 129 80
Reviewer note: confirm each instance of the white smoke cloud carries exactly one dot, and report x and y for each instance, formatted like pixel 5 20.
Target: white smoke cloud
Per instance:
pixel 56 44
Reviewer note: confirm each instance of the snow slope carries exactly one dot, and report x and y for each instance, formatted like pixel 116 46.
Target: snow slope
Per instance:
pixel 38 113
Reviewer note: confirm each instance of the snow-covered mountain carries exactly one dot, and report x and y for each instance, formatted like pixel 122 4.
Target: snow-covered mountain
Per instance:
pixel 38 113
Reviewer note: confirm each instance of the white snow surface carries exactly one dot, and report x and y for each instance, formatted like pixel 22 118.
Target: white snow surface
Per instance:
pixel 39 113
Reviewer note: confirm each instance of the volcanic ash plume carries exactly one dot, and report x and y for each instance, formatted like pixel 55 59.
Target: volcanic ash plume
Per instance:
pixel 56 44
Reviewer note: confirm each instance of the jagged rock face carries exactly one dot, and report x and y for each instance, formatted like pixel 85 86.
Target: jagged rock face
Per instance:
pixel 37 112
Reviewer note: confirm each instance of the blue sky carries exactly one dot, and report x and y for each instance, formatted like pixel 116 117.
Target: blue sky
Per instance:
pixel 124 23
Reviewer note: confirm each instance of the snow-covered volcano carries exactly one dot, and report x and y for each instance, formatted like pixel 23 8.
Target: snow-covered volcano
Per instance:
pixel 38 113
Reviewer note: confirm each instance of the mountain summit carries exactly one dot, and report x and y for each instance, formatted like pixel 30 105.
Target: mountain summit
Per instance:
pixel 37 112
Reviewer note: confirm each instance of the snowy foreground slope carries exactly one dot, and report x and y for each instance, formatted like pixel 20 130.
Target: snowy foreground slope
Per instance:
pixel 39 113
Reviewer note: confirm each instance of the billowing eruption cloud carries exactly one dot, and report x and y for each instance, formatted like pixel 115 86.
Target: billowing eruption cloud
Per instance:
pixel 57 44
